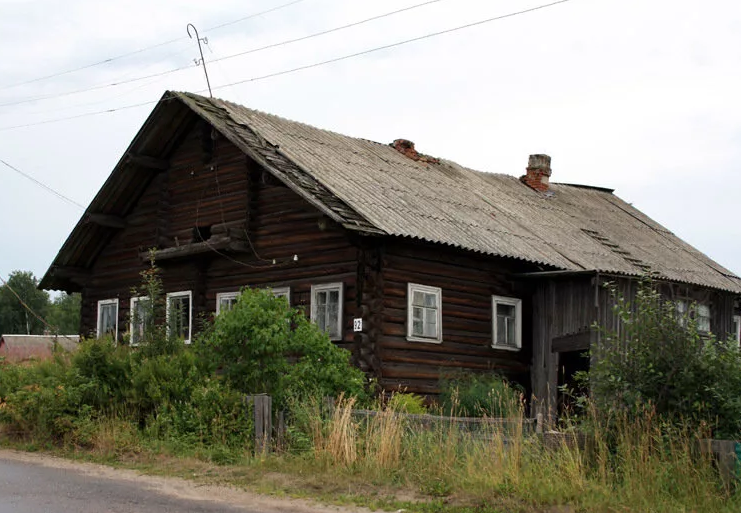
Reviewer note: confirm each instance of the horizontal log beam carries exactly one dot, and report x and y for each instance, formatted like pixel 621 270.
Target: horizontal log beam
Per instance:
pixel 196 248
pixel 107 220
pixel 77 275
pixel 148 162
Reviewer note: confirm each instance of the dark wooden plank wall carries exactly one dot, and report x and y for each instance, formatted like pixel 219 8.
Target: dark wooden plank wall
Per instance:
pixel 287 226
pixel 290 243
pixel 560 307
pixel 467 283
pixel 567 306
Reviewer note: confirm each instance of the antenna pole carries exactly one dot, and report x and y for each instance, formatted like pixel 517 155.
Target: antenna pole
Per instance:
pixel 202 61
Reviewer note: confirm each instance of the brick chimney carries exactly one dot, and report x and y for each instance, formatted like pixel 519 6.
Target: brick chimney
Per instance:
pixel 406 148
pixel 538 172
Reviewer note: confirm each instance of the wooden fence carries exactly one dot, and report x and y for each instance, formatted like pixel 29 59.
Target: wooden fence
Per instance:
pixel 727 453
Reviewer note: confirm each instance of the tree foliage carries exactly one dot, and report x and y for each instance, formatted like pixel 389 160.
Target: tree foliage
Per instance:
pixel 64 313
pixel 661 359
pixel 262 345
pixel 14 317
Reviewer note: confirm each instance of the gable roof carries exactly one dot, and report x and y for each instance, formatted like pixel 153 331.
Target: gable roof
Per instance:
pixel 371 187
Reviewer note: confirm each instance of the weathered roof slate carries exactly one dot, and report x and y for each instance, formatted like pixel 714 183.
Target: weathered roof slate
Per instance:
pixel 371 187
pixel 575 228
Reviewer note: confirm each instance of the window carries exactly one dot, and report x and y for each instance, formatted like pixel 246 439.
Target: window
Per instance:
pixel 282 292
pixel 326 308
pixel 108 318
pixel 507 323
pixel 179 314
pixel 140 316
pixel 424 313
pixel 737 329
pixel 685 309
pixel 225 301
pixel 702 315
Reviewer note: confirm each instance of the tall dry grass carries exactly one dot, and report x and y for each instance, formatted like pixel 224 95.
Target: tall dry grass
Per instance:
pixel 626 465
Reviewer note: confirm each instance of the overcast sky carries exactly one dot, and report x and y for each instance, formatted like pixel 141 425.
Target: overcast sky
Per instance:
pixel 643 96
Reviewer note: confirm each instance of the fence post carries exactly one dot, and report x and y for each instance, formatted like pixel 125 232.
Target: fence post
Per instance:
pixel 328 406
pixel 263 414
pixel 539 423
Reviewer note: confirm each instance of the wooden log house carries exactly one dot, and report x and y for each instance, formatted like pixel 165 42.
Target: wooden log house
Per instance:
pixel 448 268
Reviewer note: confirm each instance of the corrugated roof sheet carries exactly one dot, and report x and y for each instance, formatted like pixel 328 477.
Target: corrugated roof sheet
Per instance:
pixel 575 228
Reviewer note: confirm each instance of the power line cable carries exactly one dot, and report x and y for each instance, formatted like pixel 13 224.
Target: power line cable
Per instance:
pixel 41 184
pixel 300 68
pixel 145 49
pixel 393 45
pixel 328 31
pixel 247 52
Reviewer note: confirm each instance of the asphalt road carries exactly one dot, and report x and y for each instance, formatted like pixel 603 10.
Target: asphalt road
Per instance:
pixel 27 487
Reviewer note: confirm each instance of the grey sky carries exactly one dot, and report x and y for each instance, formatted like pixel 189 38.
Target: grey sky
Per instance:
pixel 640 96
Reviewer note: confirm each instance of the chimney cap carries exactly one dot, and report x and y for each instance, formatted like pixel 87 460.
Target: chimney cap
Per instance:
pixel 541 162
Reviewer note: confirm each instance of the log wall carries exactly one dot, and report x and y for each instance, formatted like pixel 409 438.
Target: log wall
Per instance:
pixel 467 283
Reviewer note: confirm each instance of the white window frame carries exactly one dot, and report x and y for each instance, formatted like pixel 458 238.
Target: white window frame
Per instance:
pixel 224 295
pixel 132 304
pixel 102 302
pixel 328 287
pixel 283 292
pixel 737 335
pixel 182 293
pixel 438 292
pixel 511 301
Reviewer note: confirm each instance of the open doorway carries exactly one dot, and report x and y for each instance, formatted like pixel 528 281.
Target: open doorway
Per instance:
pixel 569 363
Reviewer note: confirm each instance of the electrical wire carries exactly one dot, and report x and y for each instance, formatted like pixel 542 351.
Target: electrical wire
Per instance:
pixel 301 68
pixel 41 184
pixel 145 49
pixel 32 312
pixel 328 31
pixel 392 45
pixel 219 59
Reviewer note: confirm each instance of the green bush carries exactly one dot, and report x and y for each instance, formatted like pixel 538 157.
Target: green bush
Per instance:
pixel 214 415
pixel 663 361
pixel 262 345
pixel 467 394
pixel 407 403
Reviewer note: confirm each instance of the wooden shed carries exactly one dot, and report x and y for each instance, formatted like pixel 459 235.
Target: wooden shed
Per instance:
pixel 447 267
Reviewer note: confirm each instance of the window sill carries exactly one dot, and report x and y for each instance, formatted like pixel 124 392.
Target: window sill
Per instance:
pixel 506 348
pixel 423 339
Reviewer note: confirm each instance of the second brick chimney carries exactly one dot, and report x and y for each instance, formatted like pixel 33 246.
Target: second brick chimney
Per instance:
pixel 538 172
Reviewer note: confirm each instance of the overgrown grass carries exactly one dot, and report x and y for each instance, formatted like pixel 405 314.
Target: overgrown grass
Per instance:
pixel 388 461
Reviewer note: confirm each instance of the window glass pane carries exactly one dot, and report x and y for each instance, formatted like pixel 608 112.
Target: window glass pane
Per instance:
pixel 681 307
pixel 501 330
pixel 108 313
pixel 139 319
pixel 180 316
pixel 506 310
pixel 321 298
pixel 430 329
pixel 431 300
pixel 511 325
pixel 321 317
pixel 418 298
pixel 334 297
pixel 226 303
pixel 703 317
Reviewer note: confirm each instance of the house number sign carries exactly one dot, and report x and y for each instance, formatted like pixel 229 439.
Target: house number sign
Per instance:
pixel 357 324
